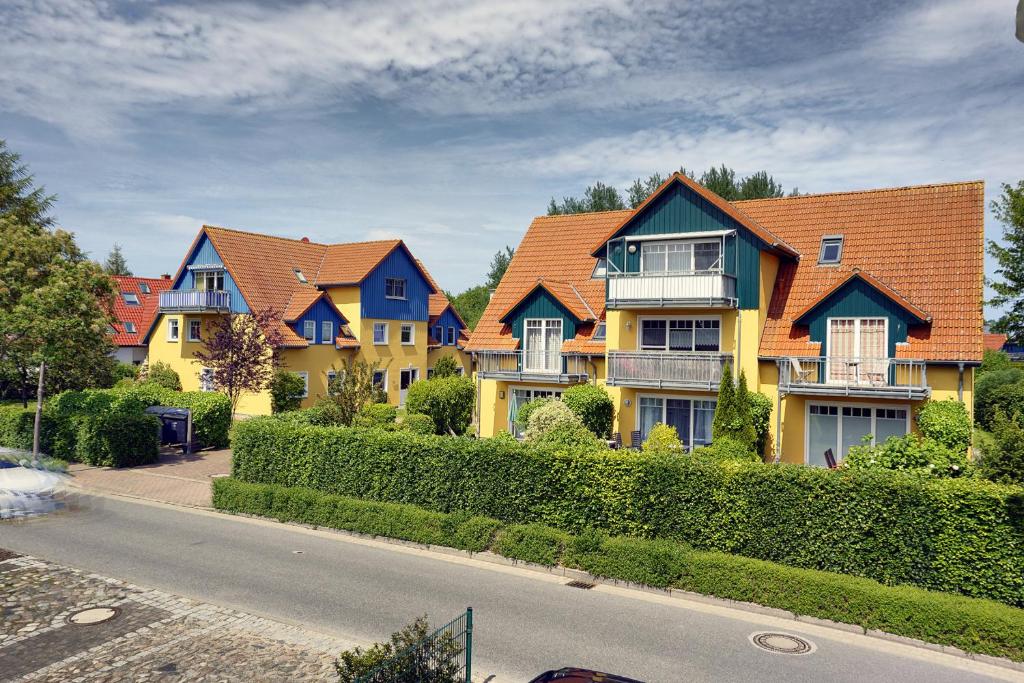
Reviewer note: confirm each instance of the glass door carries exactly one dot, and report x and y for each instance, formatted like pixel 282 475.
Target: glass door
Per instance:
pixel 542 347
pixel 857 351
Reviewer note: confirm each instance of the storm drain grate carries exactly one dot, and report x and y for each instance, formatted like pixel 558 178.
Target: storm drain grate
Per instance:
pixel 782 643
pixel 583 585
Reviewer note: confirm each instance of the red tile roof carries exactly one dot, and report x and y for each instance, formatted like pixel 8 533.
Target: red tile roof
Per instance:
pixel 994 341
pixel 141 316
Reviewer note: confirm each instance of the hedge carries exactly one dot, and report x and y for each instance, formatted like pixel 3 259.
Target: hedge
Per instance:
pixel 972 624
pixel 17 425
pixel 118 440
pixel 211 411
pixel 957 535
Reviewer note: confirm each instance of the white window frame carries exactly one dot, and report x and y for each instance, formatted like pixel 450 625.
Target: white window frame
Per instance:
pixel 452 336
pixel 188 330
pixel 326 331
pixel 309 331
pixel 305 379
pixel 600 271
pixel 331 376
pixel 601 332
pixel 384 381
pixel 391 283
pixel 829 239
pixel 693 258
pixel 173 329
pixel 412 334
pixel 856 342
pixel 439 334
pixel 545 323
pixel 839 424
pixel 380 326
pixel 133 301
pixel 144 288
pixel 129 327
pixel 664 409
pixel 217 276
pixel 640 331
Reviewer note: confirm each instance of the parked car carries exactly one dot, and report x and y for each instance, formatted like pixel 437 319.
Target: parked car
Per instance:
pixel 573 675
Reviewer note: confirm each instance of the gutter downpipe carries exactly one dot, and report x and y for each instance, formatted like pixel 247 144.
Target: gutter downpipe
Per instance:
pixel 960 382
pixel 778 416
pixel 477 411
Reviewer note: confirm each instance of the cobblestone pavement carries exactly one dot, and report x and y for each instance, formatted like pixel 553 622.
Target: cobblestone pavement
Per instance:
pixel 155 636
pixel 177 478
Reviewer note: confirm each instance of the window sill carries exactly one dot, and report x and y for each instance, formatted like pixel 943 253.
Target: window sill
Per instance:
pixel 397 298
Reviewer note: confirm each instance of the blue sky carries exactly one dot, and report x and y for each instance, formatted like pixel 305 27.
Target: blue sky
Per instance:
pixel 452 124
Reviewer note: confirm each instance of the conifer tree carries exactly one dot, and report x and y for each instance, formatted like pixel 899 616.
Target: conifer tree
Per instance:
pixel 744 432
pixel 725 410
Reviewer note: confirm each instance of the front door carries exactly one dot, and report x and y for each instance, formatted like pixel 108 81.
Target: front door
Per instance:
pixel 405 378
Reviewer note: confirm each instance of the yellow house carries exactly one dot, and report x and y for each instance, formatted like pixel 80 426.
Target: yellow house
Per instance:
pixel 369 301
pixel 847 310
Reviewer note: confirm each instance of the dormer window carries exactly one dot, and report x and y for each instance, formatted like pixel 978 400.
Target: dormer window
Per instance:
pixel 129 327
pixel 600 332
pixel 144 288
pixel 600 269
pixel 131 298
pixel 300 277
pixel 831 249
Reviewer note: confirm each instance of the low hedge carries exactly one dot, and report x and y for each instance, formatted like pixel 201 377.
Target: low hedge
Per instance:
pixel 118 440
pixel 17 427
pixel 956 535
pixel 971 624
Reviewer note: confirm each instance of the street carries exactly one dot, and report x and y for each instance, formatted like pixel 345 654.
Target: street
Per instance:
pixel 525 622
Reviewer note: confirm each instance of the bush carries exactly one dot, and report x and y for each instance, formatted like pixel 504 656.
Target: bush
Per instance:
pixel 727 449
pixel 594 407
pixel 1002 389
pixel 418 424
pixel 532 543
pixel 286 390
pixel 552 416
pixel 994 360
pixel 957 534
pixel 447 400
pixel 163 375
pixel 125 371
pixel 761 413
pixel 526 410
pixel 946 422
pixel 211 411
pixel 734 417
pixel 118 439
pixel 1004 462
pixel 17 428
pixel 912 453
pixel 663 439
pixel 325 413
pixel 376 415
pixel 399 661
pixel 445 366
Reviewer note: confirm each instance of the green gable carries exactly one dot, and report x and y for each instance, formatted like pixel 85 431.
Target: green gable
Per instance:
pixel 540 304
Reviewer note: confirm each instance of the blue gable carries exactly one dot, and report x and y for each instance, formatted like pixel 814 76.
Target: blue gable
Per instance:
pixel 204 254
pixel 318 313
pixel 446 320
pixel 415 305
pixel 540 304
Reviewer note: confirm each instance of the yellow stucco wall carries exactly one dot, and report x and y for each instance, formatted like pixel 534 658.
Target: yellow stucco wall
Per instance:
pixel 626 416
pixel 394 356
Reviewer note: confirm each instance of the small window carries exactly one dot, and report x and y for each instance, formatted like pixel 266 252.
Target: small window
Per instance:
pixel 326 332
pixel 831 249
pixel 408 334
pixel 305 382
pixel 439 334
pixel 380 333
pixel 131 298
pixel 129 327
pixel 430 373
pixel 600 269
pixel 144 288
pixel 300 277
pixel 194 330
pixel 206 382
pixel 309 330
pixel 380 379
pixel 394 288
pixel 600 331
pixel 451 336
pixel 172 329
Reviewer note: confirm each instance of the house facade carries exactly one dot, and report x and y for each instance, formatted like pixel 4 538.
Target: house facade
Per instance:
pixel 135 308
pixel 847 310
pixel 370 301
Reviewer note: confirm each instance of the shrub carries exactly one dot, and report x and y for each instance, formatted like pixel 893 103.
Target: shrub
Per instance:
pixel 445 366
pixel 325 413
pixel 761 415
pixel 733 411
pixel 663 439
pixel 648 562
pixel 946 422
pixel 525 410
pixel 532 543
pixel 998 389
pixel 163 375
pixel 959 534
pixel 1004 462
pixel 994 360
pixel 118 439
pixel 447 400
pixel 594 407
pixel 552 416
pixel 727 449
pixel 17 428
pixel 911 453
pixel 211 411
pixel 125 371
pixel 398 660
pixel 418 424
pixel 376 415
pixel 286 390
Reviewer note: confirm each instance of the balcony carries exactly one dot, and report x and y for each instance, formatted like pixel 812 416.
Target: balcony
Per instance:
pixel 697 289
pixel 194 301
pixel 517 366
pixel 666 369
pixel 864 377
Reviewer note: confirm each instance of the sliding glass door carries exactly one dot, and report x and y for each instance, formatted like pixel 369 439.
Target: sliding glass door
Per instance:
pixel 542 346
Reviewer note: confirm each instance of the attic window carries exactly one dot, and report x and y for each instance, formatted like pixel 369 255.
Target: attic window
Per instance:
pixel 600 269
pixel 300 277
pixel 129 327
pixel 131 298
pixel 600 332
pixel 831 249
pixel 144 288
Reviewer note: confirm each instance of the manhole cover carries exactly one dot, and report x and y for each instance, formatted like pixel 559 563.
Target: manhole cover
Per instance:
pixel 782 643
pixel 94 615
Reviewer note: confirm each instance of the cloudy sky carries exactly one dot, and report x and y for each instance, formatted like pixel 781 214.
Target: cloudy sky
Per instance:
pixel 451 124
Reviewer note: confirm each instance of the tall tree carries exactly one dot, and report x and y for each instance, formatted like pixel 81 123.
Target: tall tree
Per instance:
pixel 116 263
pixel 1009 290
pixel 759 185
pixel 242 351
pixel 20 200
pixel 499 264
pixel 471 303
pixel 641 189
pixel 597 197
pixel 724 421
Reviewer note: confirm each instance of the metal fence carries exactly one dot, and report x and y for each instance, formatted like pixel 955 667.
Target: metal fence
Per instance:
pixel 195 300
pixel 515 364
pixel 854 376
pixel 666 368
pixel 688 288
pixel 445 656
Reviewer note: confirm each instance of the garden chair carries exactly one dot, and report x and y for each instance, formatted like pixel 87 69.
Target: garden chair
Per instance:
pixel 800 374
pixel 635 442
pixel 617 440
pixel 830 459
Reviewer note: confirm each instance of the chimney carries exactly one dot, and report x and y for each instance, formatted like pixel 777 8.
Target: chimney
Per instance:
pixel 166 276
pixel 305 239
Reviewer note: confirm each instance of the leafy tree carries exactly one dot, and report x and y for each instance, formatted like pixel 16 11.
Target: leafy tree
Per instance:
pixel 447 400
pixel 242 352
pixel 760 185
pixel 499 264
pixel 994 360
pixel 724 422
pixel 446 366
pixel 471 304
pixel 286 389
pixel 597 197
pixel 525 410
pixel 594 407
pixel 1005 462
pixel 1009 290
pixel 761 413
pixel 162 374
pixel 744 431
pixel 947 422
pixel 554 425
pixel 116 264
pixel 401 661
pixel 351 390
pixel 642 189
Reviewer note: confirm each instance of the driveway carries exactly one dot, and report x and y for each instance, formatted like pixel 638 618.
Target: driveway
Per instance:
pixel 177 478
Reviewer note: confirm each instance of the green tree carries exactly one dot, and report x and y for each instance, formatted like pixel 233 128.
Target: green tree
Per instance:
pixel 116 264
pixel 446 366
pixel 20 201
pixel 594 407
pixel 499 264
pixel 351 390
pixel 759 185
pixel 471 304
pixel 744 431
pixel 1009 289
pixel 400 661
pixel 286 390
pixel 1005 462
pixel 721 181
pixel 162 374
pixel 447 400
pixel 597 197
pixel 642 189
pixel 723 424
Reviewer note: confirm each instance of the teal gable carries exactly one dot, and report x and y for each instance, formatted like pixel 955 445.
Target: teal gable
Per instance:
pixel 858 299
pixel 541 304
pixel 204 254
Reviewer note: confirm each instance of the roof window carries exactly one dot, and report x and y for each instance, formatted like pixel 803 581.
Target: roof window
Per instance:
pixel 301 278
pixel 600 269
pixel 144 288
pixel 131 298
pixel 600 332
pixel 831 249
pixel 129 327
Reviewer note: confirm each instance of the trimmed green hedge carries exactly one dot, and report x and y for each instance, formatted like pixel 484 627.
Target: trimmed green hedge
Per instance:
pixel 957 535
pixel 972 624
pixel 211 411
pixel 17 425
pixel 118 440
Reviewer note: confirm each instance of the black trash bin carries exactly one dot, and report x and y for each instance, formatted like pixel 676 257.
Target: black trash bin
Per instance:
pixel 174 425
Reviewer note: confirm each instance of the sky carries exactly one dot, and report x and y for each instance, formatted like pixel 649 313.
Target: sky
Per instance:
pixel 452 124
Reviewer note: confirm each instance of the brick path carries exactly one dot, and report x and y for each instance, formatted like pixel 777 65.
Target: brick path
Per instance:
pixel 176 478
pixel 154 637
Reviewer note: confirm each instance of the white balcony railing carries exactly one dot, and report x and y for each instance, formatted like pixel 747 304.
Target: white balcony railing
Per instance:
pixel 195 300
pixel 537 366
pixel 695 288
pixel 899 377
pixel 670 369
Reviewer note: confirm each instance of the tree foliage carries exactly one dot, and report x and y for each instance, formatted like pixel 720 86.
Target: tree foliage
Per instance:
pixel 597 197
pixel 471 304
pixel 116 264
pixel 499 264
pixel 445 366
pixel 349 392
pixel 594 407
pixel 1005 462
pixel 161 374
pixel 21 201
pixel 1009 288
pixel 286 389
pixel 447 400
pixel 663 439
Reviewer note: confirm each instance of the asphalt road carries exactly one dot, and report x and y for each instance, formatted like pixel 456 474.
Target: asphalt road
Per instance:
pixel 525 623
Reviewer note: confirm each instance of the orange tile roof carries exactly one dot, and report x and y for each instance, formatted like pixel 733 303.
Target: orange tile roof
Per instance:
pixel 584 342
pixel 881 287
pixel 554 248
pixel 143 315
pixel 925 243
pixel 563 292
pixel 994 341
